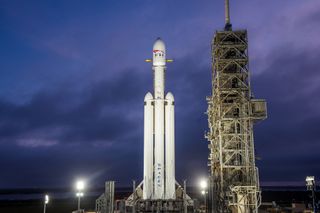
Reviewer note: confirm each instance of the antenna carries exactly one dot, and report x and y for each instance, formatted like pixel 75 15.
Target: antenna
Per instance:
pixel 228 25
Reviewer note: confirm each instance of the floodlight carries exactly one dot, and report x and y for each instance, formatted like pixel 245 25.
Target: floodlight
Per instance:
pixel 46 199
pixel 80 185
pixel 310 179
pixel 79 194
pixel 203 184
pixel 311 186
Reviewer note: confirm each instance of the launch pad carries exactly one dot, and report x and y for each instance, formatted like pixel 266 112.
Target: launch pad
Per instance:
pixel 106 203
pixel 232 112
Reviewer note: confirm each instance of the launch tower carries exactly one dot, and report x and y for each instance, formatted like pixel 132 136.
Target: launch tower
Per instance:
pixel 232 112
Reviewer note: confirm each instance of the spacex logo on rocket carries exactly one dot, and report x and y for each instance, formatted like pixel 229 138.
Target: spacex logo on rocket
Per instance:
pixel 159 160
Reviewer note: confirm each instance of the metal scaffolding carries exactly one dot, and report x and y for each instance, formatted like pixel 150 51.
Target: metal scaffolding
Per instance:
pixel 232 111
pixel 105 203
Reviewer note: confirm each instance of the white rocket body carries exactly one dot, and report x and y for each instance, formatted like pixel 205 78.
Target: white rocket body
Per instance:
pixel 159 160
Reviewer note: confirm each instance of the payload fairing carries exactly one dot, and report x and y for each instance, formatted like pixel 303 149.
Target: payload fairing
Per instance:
pixel 159 160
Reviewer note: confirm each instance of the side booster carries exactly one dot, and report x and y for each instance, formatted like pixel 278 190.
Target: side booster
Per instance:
pixel 159 161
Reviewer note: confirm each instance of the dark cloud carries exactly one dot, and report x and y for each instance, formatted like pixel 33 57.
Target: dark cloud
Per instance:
pixel 109 117
pixel 288 140
pixel 72 88
pixel 106 105
pixel 86 137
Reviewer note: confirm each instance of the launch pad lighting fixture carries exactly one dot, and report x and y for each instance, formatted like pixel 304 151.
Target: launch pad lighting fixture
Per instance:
pixel 46 201
pixel 80 186
pixel 79 194
pixel 203 184
pixel 310 182
pixel 311 186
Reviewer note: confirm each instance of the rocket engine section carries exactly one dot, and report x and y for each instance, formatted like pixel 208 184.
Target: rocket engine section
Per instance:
pixel 159 159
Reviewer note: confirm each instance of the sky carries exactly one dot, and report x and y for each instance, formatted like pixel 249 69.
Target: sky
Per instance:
pixel 73 80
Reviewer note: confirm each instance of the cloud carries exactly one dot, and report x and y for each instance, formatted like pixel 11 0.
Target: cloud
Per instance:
pixel 106 112
pixel 289 137
pixel 76 87
pixel 33 143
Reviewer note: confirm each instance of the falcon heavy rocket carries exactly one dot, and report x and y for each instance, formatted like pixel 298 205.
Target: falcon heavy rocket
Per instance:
pixel 159 160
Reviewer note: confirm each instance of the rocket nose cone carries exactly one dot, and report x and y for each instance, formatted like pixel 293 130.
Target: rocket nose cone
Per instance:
pixel 148 97
pixel 169 96
pixel 159 45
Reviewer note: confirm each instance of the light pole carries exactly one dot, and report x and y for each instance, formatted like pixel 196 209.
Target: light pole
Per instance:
pixel 203 192
pixel 80 185
pixel 311 186
pixel 203 187
pixel 46 201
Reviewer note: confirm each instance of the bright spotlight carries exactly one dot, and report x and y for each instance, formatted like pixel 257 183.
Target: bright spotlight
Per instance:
pixel 46 199
pixel 203 184
pixel 79 194
pixel 310 182
pixel 310 179
pixel 80 185
pixel 311 186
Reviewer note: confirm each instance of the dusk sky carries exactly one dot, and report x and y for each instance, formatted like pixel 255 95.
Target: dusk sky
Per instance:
pixel 73 80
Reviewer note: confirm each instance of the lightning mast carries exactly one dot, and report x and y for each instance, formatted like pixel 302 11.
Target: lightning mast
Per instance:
pixel 232 112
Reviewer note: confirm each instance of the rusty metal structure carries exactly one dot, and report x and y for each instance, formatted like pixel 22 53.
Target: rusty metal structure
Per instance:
pixel 232 112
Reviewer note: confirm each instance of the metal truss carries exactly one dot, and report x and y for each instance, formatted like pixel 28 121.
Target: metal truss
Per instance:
pixel 232 111
pixel 105 202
